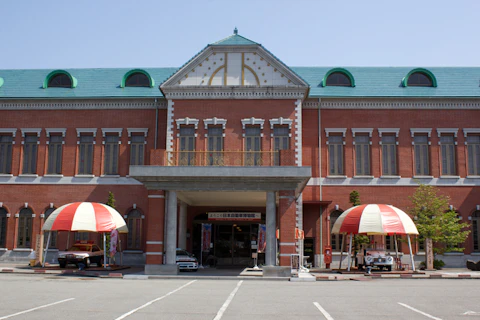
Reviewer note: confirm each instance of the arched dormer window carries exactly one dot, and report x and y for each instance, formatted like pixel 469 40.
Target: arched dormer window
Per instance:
pixel 338 77
pixel 59 79
pixel 137 78
pixel 419 78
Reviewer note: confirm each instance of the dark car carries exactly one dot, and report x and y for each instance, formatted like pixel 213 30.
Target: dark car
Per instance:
pixel 81 253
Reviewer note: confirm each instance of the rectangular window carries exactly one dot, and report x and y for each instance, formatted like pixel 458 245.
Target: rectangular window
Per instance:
pixel 6 142
pixel 335 155
pixel 421 155
pixel 111 154
pixel 389 155
pixel 215 146
pixel 281 141
pixel 473 150
pixel 447 148
pixel 30 154
pixel 137 150
pixel 187 146
pixel 252 146
pixel 24 231
pixel 389 243
pixel 55 155
pixel 85 155
pixel 362 155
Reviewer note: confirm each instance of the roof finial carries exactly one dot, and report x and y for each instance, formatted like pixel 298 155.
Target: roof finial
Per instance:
pixel 235 31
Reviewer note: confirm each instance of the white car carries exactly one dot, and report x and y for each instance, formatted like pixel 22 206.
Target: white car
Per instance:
pixel 84 253
pixel 186 261
pixel 374 258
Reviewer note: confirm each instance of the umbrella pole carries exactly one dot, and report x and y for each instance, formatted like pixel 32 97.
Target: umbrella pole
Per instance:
pixel 104 250
pixel 411 253
pixel 349 251
pixel 68 240
pixel 46 249
pixel 341 251
pixel 396 244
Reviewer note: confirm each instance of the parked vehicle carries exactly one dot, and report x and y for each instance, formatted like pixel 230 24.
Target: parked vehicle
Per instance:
pixel 186 261
pixel 374 258
pixel 81 253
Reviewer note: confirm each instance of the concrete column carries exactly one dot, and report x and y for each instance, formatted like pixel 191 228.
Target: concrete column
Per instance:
pixel 171 228
pixel 182 226
pixel 271 224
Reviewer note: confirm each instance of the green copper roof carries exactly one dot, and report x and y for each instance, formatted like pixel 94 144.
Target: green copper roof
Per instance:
pixel 369 82
pixel 234 40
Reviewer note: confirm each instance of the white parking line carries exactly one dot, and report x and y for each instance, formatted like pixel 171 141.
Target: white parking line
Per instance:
pixel 123 316
pixel 227 302
pixel 421 312
pixel 36 308
pixel 325 313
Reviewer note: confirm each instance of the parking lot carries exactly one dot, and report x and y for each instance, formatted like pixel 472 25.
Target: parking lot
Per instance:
pixel 73 297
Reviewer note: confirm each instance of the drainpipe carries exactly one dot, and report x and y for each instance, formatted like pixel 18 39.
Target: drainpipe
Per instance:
pixel 156 123
pixel 320 182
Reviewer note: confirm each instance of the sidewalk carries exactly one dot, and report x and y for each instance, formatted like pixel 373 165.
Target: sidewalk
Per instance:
pixel 137 272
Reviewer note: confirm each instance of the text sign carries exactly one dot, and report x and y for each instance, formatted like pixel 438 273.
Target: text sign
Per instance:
pixel 235 216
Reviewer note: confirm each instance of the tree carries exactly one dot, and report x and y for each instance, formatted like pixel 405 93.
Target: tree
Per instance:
pixel 111 203
pixel 437 223
pixel 359 239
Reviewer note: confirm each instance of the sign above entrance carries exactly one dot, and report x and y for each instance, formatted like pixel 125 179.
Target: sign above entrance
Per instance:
pixel 235 216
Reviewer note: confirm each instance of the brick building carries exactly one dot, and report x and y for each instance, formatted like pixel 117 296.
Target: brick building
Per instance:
pixel 234 138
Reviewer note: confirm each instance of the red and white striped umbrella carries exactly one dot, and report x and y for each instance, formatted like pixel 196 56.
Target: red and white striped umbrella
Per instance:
pixel 85 216
pixel 373 219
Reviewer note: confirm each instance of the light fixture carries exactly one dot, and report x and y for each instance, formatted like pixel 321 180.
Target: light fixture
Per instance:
pixel 336 207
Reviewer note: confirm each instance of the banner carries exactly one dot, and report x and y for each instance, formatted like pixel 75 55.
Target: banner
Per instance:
pixel 113 242
pixel 235 216
pixel 206 236
pixel 262 241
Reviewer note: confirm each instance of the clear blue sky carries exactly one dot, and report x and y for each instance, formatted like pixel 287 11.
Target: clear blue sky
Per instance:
pixel 125 33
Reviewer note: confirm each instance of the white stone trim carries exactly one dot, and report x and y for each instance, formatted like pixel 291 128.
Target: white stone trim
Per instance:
pixel 381 131
pixel 33 179
pixel 63 131
pixel 87 130
pixel 244 93
pixel 467 131
pixel 12 131
pixel 187 121
pixel 151 253
pixel 137 130
pixel 395 181
pixel 362 130
pixel 442 103
pixel 31 130
pixel 170 126
pixel 343 131
pixel 281 121
pixel 82 104
pixel 154 242
pixel 414 131
pixel 252 121
pixel 156 196
pixel 298 133
pixel 215 121
pixel 441 131
pixel 112 130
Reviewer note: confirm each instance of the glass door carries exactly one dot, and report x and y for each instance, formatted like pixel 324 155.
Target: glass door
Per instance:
pixel 232 245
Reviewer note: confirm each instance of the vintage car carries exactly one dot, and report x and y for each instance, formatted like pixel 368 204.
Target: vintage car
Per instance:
pixel 374 258
pixel 81 253
pixel 186 261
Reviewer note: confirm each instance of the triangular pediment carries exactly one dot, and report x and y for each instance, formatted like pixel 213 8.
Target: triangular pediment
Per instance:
pixel 234 62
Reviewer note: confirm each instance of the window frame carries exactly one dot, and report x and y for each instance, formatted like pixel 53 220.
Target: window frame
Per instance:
pixel 389 160
pixel 25 228
pixel 30 150
pixel 472 152
pixel 421 152
pixel 335 239
pixel 57 168
pixel 363 155
pixel 448 152
pixel 82 170
pixel 135 227
pixel 332 154
pixel 54 234
pixel 4 215
pixel 6 158
pixel 111 150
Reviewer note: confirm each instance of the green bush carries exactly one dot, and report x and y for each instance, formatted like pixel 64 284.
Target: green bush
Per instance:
pixel 437 264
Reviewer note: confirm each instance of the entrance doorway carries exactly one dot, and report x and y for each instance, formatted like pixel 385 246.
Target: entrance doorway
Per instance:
pixel 232 244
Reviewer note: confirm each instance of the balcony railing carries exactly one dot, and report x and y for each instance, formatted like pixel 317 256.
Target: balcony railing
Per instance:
pixel 222 158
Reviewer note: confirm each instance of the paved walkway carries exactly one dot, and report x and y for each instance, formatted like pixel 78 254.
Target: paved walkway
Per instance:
pixel 137 272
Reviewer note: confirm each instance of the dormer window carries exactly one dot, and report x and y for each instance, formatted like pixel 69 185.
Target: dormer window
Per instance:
pixel 59 79
pixel 419 78
pixel 338 77
pixel 137 78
